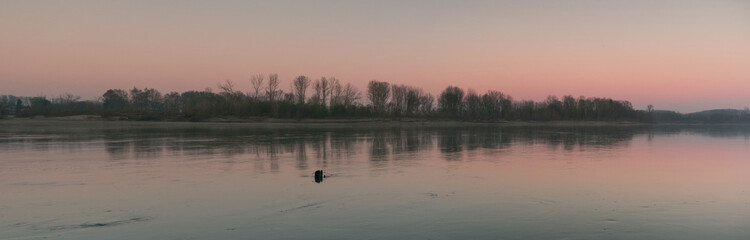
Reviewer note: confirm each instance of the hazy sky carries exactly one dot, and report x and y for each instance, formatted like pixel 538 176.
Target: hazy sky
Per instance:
pixel 681 55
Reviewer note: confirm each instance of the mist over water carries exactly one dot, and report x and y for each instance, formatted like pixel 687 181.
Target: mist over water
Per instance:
pixel 114 180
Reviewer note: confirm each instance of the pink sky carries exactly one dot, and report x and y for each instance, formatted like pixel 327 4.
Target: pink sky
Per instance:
pixel 680 55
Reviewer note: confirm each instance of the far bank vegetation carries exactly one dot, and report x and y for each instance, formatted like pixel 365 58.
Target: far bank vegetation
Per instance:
pixel 324 98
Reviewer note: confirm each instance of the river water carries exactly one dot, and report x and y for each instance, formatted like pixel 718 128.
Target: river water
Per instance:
pixel 115 180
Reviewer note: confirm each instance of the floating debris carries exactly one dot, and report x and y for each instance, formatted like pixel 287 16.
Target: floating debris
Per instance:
pixel 319 176
pixel 429 194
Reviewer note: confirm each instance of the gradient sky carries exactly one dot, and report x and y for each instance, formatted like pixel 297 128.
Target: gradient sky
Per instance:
pixel 680 55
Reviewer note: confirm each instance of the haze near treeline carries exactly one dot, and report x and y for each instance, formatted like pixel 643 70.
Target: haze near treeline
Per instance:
pixel 679 55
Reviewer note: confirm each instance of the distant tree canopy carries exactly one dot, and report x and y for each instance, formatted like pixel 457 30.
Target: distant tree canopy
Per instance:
pixel 330 98
pixel 63 105
pixel 115 99
pixel 451 102
pixel 378 93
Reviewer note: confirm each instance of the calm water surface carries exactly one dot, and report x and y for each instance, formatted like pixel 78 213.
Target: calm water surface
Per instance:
pixel 101 180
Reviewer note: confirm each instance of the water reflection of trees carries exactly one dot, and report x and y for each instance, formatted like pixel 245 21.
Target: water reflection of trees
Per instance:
pixel 307 148
pixel 325 147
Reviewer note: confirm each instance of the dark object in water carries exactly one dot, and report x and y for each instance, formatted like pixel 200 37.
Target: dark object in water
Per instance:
pixel 319 176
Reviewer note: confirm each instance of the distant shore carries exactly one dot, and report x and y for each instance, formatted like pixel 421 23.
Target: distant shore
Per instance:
pixel 97 121
pixel 275 122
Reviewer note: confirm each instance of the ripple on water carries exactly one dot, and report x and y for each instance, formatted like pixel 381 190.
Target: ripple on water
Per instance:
pixel 101 224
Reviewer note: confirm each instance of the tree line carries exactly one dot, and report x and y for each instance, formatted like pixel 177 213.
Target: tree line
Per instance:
pixel 325 97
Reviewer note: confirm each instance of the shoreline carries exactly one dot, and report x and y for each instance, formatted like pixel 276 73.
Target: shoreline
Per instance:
pixel 262 122
pixel 353 123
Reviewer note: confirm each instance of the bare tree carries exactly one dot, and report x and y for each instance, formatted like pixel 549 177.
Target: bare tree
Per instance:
pixel 335 91
pixel 325 88
pixel 378 93
pixel 66 98
pixel 287 97
pixel 569 107
pixel 426 103
pixel 233 97
pixel 299 85
pixel 405 99
pixel 412 100
pixel 398 99
pixel 473 104
pixel 257 81
pixel 350 95
pixel 322 90
pixel 148 98
pixel 171 103
pixel 115 99
pixel 227 86
pixel 492 104
pixel 272 91
pixel 450 101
